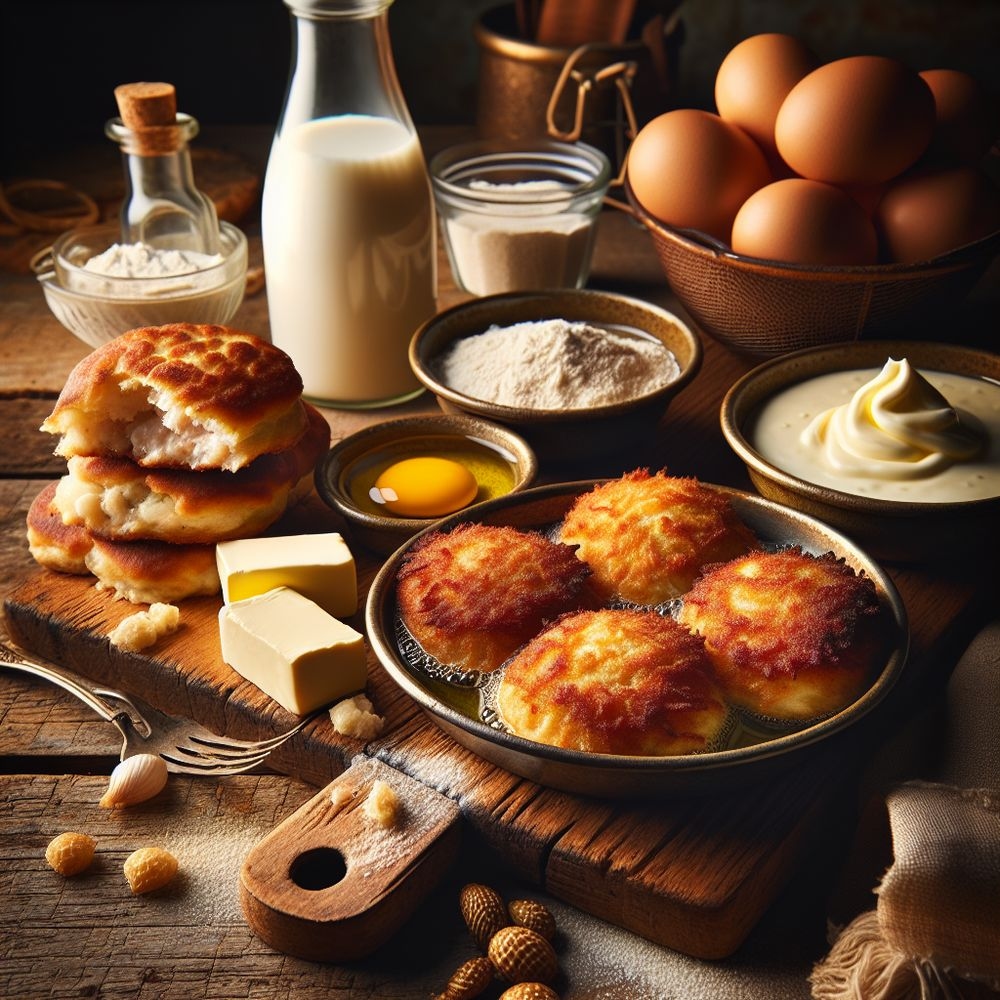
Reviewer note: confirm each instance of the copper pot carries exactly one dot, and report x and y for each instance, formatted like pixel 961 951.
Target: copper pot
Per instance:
pixel 599 93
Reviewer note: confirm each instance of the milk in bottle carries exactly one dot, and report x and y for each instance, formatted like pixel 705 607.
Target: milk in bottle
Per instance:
pixel 348 217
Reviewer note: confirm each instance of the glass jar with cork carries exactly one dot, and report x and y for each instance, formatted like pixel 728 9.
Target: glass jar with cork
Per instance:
pixel 167 259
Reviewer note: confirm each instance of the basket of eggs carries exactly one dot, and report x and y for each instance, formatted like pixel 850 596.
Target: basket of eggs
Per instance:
pixel 823 202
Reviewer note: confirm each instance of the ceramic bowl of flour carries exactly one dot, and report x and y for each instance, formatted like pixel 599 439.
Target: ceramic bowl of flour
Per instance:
pixel 98 288
pixel 580 374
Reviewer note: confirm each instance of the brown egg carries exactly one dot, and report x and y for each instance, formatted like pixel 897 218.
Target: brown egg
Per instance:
pixel 754 79
pixel 690 169
pixel 966 120
pixel 866 195
pixel 929 212
pixel 860 120
pixel 804 222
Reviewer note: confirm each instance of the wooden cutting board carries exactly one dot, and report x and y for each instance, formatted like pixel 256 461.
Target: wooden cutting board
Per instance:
pixel 693 874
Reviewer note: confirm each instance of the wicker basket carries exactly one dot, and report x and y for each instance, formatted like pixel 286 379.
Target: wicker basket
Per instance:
pixel 765 308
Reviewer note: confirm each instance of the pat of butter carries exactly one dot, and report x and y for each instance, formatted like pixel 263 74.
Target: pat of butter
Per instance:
pixel 319 567
pixel 292 649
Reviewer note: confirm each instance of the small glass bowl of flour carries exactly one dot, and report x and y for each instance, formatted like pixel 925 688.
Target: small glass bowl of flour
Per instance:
pixel 519 217
pixel 98 287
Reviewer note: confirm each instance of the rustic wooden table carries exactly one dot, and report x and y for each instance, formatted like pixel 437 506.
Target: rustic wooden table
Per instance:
pixel 90 937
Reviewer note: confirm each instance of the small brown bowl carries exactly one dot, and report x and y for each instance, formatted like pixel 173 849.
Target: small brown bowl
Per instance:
pixel 397 439
pixel 894 530
pixel 567 435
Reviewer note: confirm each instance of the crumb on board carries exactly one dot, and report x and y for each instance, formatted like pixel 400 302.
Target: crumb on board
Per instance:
pixel 356 717
pixel 144 628
pixel 340 795
pixel 382 804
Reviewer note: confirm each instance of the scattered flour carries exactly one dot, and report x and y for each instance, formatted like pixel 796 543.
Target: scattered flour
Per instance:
pixel 556 365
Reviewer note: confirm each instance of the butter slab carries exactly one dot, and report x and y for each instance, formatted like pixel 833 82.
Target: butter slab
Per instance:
pixel 292 649
pixel 320 567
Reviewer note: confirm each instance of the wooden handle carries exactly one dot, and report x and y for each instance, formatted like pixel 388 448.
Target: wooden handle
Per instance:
pixel 331 884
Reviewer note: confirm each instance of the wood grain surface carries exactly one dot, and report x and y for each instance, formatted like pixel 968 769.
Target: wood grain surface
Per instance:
pixel 332 883
pixel 628 863
pixel 701 872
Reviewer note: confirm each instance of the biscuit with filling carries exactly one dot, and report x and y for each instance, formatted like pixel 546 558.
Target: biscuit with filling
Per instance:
pixel 471 596
pixel 139 572
pixel 117 499
pixel 616 682
pixel 52 543
pixel 148 572
pixel 793 636
pixel 184 396
pixel 647 537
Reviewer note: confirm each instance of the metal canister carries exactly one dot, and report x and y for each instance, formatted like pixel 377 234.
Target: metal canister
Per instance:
pixel 599 93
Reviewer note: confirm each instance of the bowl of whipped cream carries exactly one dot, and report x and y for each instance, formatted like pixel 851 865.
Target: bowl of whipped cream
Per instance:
pixel 99 287
pixel 895 443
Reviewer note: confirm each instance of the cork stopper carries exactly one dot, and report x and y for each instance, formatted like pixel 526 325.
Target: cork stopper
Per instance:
pixel 149 112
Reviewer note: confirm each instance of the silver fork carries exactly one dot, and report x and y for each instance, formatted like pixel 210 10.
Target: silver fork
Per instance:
pixel 186 747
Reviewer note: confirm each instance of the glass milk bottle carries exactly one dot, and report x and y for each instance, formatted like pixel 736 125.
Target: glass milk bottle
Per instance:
pixel 348 214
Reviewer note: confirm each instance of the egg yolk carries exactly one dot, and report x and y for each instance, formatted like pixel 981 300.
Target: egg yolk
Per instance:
pixel 424 487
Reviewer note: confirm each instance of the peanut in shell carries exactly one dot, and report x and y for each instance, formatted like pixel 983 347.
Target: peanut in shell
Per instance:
pixel 521 955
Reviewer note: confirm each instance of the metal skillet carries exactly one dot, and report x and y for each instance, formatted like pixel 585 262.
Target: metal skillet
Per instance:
pixel 755 755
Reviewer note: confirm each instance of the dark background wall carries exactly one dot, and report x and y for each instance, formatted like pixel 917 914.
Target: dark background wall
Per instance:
pixel 229 58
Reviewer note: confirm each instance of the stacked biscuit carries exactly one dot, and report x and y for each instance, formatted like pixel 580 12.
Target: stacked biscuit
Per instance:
pixel 176 437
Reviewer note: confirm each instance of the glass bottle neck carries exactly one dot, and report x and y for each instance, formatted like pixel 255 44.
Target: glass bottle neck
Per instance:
pixel 162 207
pixel 342 64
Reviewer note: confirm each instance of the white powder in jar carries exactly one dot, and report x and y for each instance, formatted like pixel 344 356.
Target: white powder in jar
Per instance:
pixel 137 260
pixel 537 245
pixel 556 364
pixel 180 270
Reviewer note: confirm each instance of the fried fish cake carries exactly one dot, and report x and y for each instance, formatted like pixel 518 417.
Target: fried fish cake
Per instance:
pixel 52 543
pixel 148 572
pixel 183 395
pixel 616 682
pixel 473 595
pixel 117 499
pixel 793 636
pixel 646 537
pixel 139 572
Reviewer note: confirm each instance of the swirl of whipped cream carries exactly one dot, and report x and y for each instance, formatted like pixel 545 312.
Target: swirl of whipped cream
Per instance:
pixel 897 426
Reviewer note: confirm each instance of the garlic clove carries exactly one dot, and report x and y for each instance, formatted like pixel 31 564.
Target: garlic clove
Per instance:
pixel 135 780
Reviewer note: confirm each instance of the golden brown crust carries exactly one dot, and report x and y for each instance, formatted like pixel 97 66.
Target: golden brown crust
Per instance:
pixel 471 596
pixel 140 572
pixel 146 572
pixel 793 636
pixel 118 499
pixel 614 681
pixel 58 546
pixel 646 537
pixel 201 376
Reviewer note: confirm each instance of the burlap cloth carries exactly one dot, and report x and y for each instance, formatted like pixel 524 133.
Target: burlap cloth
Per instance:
pixel 935 928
